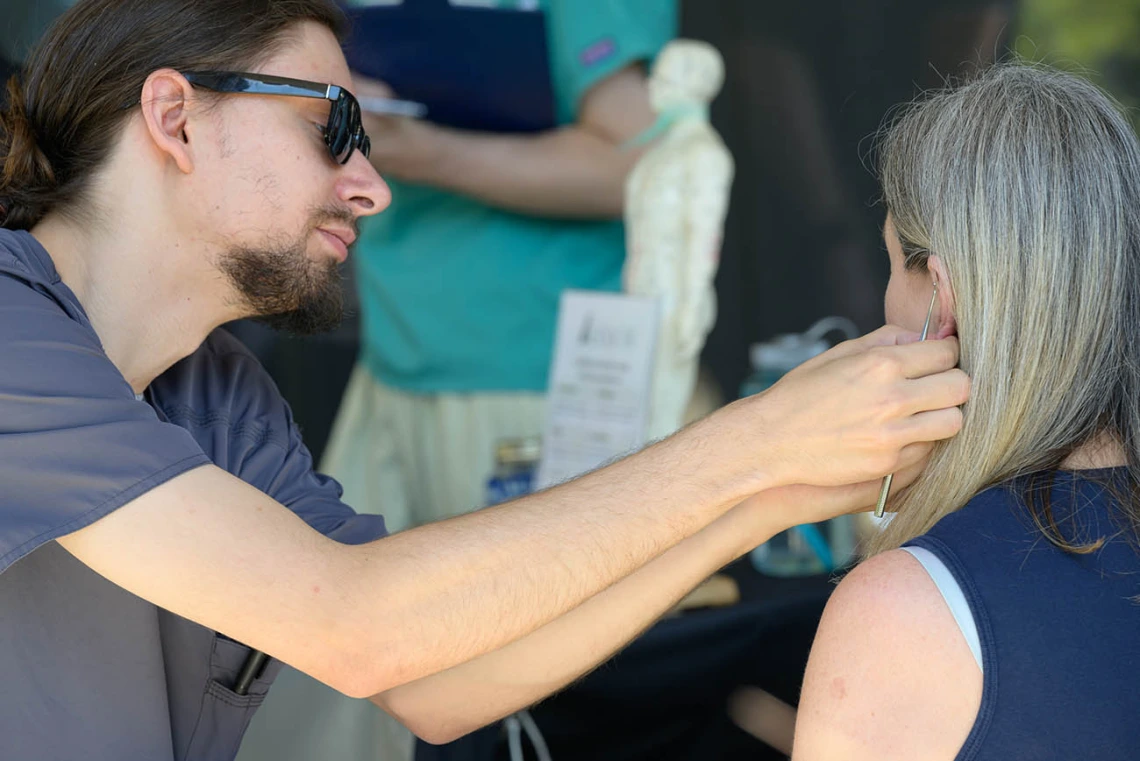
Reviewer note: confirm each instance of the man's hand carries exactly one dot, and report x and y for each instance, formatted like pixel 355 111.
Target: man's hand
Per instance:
pixel 853 414
pixel 575 171
pixel 786 506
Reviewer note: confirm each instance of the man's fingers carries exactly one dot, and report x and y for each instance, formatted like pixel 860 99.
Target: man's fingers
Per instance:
pixel 888 335
pixel 885 397
pixel 902 481
pixel 915 455
pixel 935 425
pixel 927 357
pixel 912 461
pixel 865 496
pixel 934 392
pixel 889 338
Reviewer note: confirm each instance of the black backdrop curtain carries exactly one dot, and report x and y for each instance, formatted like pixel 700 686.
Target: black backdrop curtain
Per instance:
pixel 808 84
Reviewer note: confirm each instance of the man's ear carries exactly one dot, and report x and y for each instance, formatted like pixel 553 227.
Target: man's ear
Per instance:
pixel 947 323
pixel 166 101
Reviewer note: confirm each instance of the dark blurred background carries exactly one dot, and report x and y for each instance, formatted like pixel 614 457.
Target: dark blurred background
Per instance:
pixel 808 85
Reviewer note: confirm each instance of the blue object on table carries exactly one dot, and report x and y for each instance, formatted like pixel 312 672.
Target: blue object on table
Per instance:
pixel 485 69
pixel 818 544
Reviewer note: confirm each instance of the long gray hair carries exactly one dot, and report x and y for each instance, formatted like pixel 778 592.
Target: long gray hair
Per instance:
pixel 1026 183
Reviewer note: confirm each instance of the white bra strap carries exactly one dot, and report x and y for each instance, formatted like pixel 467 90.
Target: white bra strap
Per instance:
pixel 953 595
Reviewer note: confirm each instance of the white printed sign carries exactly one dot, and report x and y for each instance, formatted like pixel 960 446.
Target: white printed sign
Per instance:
pixel 598 401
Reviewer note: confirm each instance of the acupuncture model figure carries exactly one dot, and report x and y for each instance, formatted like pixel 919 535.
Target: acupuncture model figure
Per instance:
pixel 676 203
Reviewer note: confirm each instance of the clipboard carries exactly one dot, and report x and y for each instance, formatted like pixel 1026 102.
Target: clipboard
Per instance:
pixel 475 68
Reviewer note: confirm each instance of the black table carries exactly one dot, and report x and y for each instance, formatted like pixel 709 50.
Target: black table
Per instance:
pixel 663 697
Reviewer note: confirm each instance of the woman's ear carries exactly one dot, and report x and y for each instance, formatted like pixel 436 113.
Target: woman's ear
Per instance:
pixel 945 323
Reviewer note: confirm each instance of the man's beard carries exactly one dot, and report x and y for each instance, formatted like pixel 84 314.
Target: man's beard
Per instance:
pixel 285 289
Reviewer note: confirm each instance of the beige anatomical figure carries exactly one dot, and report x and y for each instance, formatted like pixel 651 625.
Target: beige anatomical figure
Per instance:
pixel 676 202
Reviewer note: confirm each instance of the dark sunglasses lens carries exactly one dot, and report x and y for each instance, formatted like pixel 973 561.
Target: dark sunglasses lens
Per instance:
pixel 338 114
pixel 341 147
pixel 336 134
pixel 354 130
pixel 345 132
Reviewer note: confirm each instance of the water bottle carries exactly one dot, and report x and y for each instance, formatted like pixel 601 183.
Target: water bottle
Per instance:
pixel 815 547
pixel 516 461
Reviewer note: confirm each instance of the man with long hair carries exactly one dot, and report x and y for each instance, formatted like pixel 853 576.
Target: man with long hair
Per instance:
pixel 171 165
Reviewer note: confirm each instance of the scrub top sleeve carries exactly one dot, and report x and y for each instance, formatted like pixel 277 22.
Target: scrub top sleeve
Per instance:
pixel 75 443
pixel 593 39
pixel 265 447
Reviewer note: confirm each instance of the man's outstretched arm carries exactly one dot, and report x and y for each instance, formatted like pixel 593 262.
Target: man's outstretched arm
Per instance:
pixel 370 618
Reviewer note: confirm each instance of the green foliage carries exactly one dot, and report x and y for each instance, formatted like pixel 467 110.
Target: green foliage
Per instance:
pixel 1100 38
pixel 1084 30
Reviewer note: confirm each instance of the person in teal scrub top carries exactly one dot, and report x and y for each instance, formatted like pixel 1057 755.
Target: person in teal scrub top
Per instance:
pixel 459 280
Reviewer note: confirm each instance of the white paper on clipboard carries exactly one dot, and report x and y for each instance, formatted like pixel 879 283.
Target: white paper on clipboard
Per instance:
pixel 600 378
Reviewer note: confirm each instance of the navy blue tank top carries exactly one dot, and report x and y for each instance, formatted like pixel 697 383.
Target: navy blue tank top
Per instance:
pixel 1059 632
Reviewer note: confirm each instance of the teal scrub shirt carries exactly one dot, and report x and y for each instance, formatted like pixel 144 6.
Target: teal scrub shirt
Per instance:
pixel 457 296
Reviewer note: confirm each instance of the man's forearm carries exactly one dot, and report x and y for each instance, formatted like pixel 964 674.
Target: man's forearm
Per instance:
pixel 481 581
pixel 442 707
pixel 568 173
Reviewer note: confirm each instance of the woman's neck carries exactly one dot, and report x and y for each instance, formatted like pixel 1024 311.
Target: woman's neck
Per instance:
pixel 1103 451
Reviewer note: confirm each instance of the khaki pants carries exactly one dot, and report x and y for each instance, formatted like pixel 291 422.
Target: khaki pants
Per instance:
pixel 418 458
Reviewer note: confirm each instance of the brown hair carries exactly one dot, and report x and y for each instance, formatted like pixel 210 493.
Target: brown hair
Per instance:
pixel 78 85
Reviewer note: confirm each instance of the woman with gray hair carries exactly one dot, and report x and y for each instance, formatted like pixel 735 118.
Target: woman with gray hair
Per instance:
pixel 998 616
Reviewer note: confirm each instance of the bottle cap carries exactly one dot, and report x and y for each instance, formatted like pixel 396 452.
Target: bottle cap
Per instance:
pixel 518 451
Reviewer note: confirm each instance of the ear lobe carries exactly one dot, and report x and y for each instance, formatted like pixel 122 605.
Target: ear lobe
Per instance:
pixel 947 326
pixel 166 97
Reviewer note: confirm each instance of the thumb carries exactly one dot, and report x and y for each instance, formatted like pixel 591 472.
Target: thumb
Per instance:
pixel 888 335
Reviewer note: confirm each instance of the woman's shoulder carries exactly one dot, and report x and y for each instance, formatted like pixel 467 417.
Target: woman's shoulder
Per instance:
pixel 885 638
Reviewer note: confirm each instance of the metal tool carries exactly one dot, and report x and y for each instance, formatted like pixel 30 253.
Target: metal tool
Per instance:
pixel 886 490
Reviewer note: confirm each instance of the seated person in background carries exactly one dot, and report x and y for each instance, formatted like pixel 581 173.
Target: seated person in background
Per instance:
pixel 1006 626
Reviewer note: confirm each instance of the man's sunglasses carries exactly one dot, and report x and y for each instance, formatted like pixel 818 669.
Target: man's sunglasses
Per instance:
pixel 344 132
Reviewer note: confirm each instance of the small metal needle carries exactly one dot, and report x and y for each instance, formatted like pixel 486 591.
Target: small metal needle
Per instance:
pixel 886 490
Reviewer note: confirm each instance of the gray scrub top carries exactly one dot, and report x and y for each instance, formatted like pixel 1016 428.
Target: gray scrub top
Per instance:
pixel 88 670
